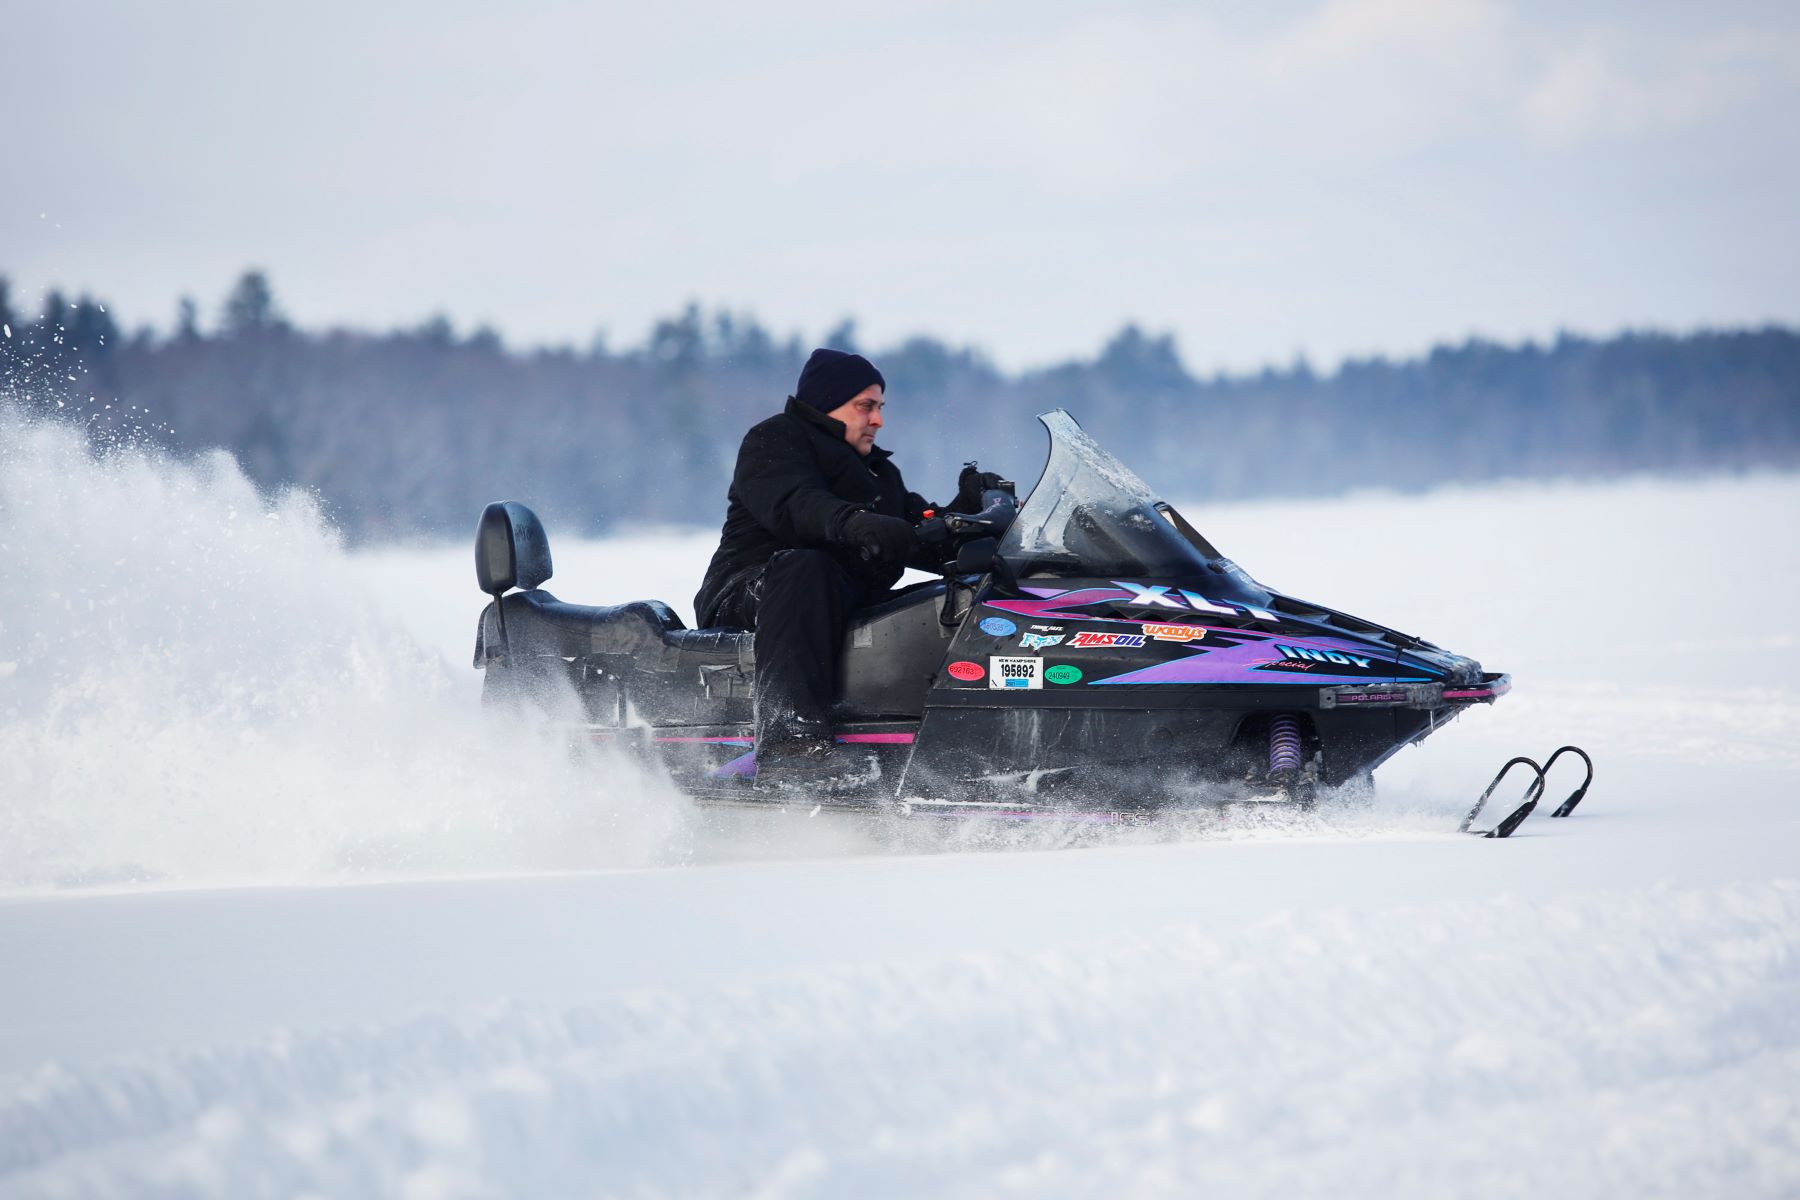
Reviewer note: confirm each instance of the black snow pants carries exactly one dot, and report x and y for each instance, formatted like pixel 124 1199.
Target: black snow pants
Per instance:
pixel 800 606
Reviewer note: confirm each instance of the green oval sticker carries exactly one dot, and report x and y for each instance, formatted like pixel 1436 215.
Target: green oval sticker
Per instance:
pixel 1063 673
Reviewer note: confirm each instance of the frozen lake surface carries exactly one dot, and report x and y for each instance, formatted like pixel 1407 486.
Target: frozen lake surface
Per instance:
pixel 281 914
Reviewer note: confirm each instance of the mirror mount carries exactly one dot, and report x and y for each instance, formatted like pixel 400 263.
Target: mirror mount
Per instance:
pixel 973 558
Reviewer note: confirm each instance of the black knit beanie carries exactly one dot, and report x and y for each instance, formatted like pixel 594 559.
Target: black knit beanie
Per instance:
pixel 831 378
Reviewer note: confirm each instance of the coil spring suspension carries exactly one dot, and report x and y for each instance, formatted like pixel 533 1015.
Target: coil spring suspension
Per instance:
pixel 1284 743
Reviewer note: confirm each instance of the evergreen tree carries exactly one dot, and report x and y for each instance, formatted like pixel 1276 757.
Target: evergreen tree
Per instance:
pixel 438 331
pixel 842 336
pixel 187 320
pixel 679 344
pixel 1133 360
pixel 48 346
pixel 55 310
pixel 250 306
pixel 92 333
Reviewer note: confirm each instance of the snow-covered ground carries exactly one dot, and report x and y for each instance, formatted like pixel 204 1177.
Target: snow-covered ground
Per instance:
pixel 280 914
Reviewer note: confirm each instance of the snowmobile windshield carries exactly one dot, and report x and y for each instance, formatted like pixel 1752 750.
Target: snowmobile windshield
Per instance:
pixel 1091 516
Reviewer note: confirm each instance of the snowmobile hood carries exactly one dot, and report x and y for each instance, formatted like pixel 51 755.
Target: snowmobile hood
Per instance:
pixel 1092 526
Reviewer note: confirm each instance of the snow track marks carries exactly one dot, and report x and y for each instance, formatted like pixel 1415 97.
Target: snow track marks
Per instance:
pixel 1627 1042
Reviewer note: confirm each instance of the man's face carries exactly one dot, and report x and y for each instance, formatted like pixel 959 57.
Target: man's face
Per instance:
pixel 861 415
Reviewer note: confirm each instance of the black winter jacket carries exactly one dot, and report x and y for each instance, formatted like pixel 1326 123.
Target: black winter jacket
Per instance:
pixel 797 481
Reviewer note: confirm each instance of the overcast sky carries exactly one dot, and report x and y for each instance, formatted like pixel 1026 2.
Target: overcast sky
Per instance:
pixel 1261 179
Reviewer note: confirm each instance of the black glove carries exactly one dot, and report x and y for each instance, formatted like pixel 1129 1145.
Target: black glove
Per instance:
pixel 970 485
pixel 887 539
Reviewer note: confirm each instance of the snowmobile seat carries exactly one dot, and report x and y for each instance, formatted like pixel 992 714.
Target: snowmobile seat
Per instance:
pixel 512 550
pixel 707 641
pixel 643 635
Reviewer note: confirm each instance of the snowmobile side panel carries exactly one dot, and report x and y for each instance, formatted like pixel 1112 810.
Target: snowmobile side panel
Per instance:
pixel 892 653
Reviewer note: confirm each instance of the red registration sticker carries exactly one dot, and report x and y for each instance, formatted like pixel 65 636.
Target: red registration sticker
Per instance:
pixel 967 671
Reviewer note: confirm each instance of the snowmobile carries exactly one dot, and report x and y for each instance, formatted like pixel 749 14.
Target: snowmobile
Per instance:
pixel 1087 655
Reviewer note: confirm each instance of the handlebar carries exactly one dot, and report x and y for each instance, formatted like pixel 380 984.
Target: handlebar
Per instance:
pixel 997 513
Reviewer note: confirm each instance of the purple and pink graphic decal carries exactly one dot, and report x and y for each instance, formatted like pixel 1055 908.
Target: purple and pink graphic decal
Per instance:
pixel 1214 654
pixel 1262 661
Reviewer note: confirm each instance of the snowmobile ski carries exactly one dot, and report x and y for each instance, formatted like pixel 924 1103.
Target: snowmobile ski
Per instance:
pixel 1533 792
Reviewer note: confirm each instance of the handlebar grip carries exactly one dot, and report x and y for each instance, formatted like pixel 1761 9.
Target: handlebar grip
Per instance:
pixel 995 516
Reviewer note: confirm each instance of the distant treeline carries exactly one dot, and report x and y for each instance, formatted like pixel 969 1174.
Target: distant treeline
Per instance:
pixel 412 431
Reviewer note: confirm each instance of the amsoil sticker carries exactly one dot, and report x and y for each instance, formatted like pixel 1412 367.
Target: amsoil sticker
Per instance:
pixel 1089 640
pixel 1175 633
pixel 998 627
pixel 966 671
pixel 1063 673
pixel 1015 673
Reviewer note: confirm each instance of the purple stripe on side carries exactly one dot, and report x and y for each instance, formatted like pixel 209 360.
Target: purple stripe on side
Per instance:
pixel 884 739
pixel 1048 815
pixel 1242 664
pixel 741 767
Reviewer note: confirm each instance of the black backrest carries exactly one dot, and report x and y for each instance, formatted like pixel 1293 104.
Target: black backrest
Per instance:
pixel 511 549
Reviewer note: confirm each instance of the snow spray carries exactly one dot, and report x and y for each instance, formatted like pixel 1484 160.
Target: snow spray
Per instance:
pixel 196 687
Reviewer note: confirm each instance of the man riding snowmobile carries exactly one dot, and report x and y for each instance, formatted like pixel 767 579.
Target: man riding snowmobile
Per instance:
pixel 818 524
pixel 1086 656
